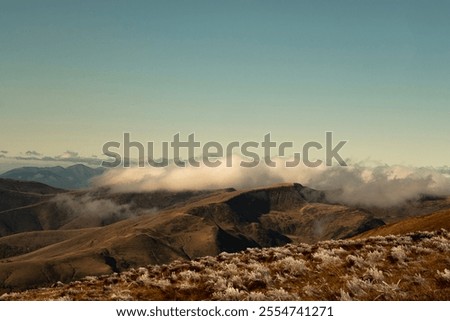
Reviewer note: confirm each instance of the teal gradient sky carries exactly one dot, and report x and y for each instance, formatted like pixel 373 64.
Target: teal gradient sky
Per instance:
pixel 75 74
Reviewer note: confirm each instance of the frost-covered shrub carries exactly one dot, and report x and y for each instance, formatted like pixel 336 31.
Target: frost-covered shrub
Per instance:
pixel 281 253
pixel 190 276
pixel 441 244
pixel 294 267
pixel 216 283
pixel 373 274
pixel 144 278
pixel 230 294
pixel 398 254
pixel 91 279
pixel 419 249
pixel 256 296
pixel 281 295
pixel 445 275
pixel 374 257
pixel 418 279
pixel 121 295
pixel 160 283
pixel 344 296
pixel 311 290
pixel 197 265
pixel 327 257
pixel 355 260
pixel 390 290
pixel 357 286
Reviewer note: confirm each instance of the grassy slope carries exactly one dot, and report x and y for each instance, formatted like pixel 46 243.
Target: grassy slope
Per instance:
pixel 430 222
pixel 409 267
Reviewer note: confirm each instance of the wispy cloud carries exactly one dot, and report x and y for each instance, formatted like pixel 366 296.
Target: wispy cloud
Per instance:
pixel 89 206
pixel 32 153
pixel 68 155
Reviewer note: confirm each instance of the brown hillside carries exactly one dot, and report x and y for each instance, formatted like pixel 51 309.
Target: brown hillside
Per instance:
pixel 430 222
pixel 195 226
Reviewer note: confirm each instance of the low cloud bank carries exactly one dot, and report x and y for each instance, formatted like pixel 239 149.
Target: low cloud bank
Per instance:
pixel 357 184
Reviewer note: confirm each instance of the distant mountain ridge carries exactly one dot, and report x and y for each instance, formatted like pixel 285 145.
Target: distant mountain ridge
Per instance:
pixel 73 177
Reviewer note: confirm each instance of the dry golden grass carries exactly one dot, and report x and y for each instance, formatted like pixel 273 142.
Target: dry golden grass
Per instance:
pixel 414 266
pixel 431 222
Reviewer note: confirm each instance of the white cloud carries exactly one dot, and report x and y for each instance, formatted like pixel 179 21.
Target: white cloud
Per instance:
pixel 380 185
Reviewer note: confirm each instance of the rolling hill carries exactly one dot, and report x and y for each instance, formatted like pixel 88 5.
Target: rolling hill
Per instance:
pixel 154 228
pixel 412 266
pixel 51 235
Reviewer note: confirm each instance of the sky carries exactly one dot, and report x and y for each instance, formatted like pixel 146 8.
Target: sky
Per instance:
pixel 76 74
